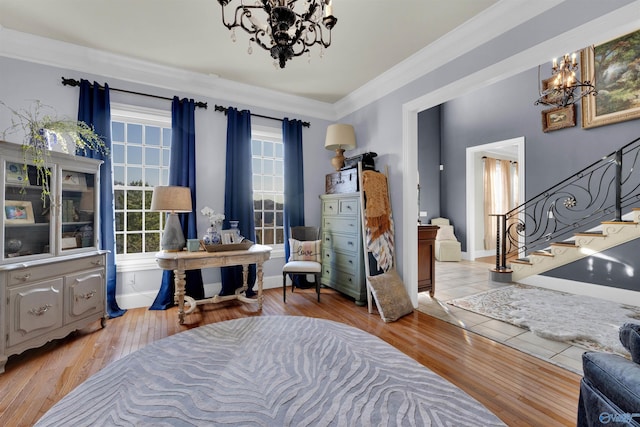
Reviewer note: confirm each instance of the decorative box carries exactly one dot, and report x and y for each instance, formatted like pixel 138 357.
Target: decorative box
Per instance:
pixel 345 181
pixel 367 159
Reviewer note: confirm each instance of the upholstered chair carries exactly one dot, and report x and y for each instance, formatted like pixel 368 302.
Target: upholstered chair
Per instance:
pixel 447 247
pixel 305 257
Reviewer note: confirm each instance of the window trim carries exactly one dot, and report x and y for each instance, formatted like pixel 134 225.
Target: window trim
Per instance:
pixel 148 117
pixel 272 134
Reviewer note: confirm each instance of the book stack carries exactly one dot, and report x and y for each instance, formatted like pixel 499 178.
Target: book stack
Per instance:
pixel 68 211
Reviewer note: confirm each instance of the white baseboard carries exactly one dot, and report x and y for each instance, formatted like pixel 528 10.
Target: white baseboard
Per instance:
pixel 145 299
pixel 621 296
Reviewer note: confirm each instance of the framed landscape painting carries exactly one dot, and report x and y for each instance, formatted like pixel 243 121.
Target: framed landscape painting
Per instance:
pixel 613 68
pixel 558 118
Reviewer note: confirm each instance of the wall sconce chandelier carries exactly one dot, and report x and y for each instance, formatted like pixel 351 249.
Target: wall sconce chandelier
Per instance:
pixel 563 87
pixel 287 31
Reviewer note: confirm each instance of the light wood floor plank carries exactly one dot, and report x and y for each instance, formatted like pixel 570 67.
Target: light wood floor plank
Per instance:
pixel 521 389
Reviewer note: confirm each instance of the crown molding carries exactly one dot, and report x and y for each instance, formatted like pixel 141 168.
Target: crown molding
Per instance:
pixel 485 26
pixel 41 50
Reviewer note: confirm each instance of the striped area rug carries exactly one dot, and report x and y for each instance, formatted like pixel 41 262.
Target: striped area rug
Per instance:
pixel 268 371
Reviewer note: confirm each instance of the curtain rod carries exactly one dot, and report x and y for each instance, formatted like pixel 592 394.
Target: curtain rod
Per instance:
pixel 224 110
pixel 73 82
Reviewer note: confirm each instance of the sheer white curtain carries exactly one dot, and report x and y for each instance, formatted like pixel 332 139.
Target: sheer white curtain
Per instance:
pixel 500 185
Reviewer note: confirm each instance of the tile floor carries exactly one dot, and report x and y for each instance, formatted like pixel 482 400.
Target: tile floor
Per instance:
pixel 459 279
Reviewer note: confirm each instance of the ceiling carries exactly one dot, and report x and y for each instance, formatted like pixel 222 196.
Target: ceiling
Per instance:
pixel 371 36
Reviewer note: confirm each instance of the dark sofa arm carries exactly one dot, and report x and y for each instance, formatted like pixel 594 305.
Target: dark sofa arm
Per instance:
pixel 616 378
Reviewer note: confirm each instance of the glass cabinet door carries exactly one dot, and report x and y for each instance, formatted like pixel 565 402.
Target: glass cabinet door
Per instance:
pixel 77 210
pixel 27 211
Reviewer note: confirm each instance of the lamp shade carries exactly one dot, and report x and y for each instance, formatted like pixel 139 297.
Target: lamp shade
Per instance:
pixel 340 135
pixel 171 199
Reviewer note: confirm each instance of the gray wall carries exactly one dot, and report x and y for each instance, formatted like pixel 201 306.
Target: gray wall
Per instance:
pixel 506 110
pixel 23 82
pixel 429 162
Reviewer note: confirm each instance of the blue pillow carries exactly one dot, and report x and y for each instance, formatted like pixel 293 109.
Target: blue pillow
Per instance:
pixel 630 339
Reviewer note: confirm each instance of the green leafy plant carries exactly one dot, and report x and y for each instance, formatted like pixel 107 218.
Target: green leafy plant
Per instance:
pixel 41 130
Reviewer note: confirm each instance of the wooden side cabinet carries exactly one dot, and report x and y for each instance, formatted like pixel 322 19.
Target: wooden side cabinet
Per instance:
pixel 426 258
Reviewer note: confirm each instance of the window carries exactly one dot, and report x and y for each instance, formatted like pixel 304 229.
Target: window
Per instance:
pixel 268 185
pixel 141 144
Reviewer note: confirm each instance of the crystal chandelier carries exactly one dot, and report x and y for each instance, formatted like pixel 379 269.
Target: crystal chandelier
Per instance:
pixel 285 30
pixel 563 87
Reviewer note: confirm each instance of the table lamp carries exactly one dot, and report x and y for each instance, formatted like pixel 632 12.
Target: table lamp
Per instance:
pixel 340 137
pixel 172 199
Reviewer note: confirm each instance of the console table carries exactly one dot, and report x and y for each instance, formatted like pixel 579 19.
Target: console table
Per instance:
pixel 182 261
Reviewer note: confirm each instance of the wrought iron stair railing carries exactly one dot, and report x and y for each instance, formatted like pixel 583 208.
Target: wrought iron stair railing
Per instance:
pixel 597 193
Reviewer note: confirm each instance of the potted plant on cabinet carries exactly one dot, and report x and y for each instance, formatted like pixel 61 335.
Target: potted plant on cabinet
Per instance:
pixel 42 131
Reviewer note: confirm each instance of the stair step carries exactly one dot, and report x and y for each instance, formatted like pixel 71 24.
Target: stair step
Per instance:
pixel 567 243
pixel 542 253
pixel 591 234
pixel 620 222
pixel 524 261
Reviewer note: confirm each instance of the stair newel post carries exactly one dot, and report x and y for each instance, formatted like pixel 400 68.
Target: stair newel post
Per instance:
pixel 501 244
pixel 618 184
pixel 503 249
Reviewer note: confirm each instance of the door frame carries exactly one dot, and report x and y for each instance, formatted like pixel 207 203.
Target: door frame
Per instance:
pixel 472 192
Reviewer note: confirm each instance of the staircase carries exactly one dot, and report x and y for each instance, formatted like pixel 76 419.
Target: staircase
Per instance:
pixel 574 219
pixel 583 244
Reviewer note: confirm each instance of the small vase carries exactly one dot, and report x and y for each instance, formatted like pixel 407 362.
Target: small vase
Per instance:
pixel 213 236
pixel 234 228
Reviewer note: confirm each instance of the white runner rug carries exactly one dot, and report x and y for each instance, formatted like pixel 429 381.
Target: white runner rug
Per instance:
pixel 580 320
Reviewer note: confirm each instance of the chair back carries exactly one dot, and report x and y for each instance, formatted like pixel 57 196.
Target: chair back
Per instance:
pixel 304 233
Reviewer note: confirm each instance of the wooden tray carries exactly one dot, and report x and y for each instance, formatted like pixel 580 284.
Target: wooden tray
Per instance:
pixel 244 245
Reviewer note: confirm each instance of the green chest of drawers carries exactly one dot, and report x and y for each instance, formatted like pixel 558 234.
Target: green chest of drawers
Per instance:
pixel 342 254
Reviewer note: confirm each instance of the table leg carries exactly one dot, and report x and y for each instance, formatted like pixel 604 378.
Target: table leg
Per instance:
pixel 180 283
pixel 259 277
pixel 245 277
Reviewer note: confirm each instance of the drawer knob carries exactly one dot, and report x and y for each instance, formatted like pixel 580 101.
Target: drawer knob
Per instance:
pixel 25 277
pixel 97 262
pixel 40 311
pixel 350 261
pixel 350 243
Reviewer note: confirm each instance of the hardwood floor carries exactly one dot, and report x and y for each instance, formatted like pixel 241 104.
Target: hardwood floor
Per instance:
pixel 520 389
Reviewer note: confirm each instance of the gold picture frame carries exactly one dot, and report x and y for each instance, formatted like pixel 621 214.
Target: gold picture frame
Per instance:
pixel 558 118
pixel 553 96
pixel 604 66
pixel 18 212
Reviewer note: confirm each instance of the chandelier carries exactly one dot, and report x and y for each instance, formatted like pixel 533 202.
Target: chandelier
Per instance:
pixel 563 87
pixel 285 30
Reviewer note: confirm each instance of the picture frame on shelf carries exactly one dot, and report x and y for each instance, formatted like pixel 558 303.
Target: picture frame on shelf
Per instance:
pixel 605 65
pixel 558 118
pixel 73 181
pixel 15 173
pixel 18 212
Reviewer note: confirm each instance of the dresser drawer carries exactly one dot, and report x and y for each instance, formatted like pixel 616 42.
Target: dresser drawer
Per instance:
pixel 349 207
pixel 340 280
pixel 33 274
pixel 330 207
pixel 345 262
pixel 342 225
pixel 340 242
